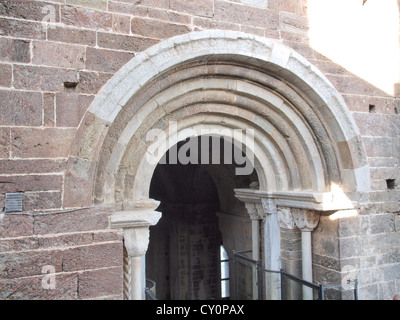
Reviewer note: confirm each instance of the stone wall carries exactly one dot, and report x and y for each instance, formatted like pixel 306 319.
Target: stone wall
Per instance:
pixel 55 56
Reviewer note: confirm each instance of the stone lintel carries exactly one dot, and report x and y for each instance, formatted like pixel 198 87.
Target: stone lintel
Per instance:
pixel 135 218
pixel 308 200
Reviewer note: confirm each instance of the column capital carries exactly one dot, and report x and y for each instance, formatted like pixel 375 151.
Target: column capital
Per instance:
pixel 285 218
pixel 253 210
pixel 135 225
pixel 306 220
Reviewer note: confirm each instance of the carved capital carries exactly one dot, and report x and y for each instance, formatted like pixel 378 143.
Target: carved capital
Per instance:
pixel 305 220
pixel 285 218
pixel 136 241
pixel 253 210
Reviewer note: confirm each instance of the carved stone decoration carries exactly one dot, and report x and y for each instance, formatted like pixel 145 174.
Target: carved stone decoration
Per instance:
pixel 285 218
pixel 305 220
pixel 269 206
pixel 253 210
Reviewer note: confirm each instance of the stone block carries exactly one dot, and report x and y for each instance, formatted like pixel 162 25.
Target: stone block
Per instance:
pixel 95 4
pixel 106 60
pixel 93 257
pixel 20 108
pixel 198 8
pixel 382 223
pixel 294 6
pixel 48 109
pixel 290 22
pixel 29 263
pixel 86 18
pixel 79 220
pixel 121 23
pixel 235 13
pixel 4 142
pixel 30 10
pixel 34 201
pixel 72 35
pixel 6 75
pixel 12 50
pixel 156 29
pixel 100 283
pixel 71 108
pixel 91 82
pixel 58 55
pixel 31 288
pixel 22 29
pixel 20 166
pixel 38 143
pixel 19 244
pixel 78 185
pixel 124 42
pixel 42 78
pixel 16 225
pixel 22 183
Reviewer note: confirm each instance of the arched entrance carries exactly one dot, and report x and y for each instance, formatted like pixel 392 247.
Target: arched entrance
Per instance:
pixel 307 149
pixel 184 256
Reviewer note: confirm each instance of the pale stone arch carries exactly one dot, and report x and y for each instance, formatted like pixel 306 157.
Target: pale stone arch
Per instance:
pixel 306 143
pixel 303 126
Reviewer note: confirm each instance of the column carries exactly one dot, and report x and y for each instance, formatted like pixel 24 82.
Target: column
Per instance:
pixel 253 212
pixel 135 224
pixel 306 221
pixel 272 249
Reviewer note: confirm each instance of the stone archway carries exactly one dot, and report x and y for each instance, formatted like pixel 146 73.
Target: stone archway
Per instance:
pixel 307 149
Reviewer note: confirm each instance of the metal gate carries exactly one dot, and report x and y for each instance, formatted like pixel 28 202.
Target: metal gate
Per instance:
pixel 250 282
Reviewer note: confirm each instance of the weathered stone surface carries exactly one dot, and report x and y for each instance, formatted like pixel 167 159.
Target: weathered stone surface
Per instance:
pixel 90 133
pixel 71 108
pixel 294 6
pixel 29 10
pixel 95 218
pixel 156 29
pixel 121 23
pixel 16 226
pixel 124 42
pixel 16 166
pixel 23 183
pixel 235 13
pixel 95 4
pixel 29 263
pixel 93 257
pixel 66 288
pixel 35 201
pixel 49 109
pixel 14 50
pixel 199 8
pixel 37 143
pixel 78 183
pixel 22 29
pixel 4 142
pixel 106 60
pixel 382 223
pixel 20 108
pixel 99 283
pixel 91 82
pixel 42 78
pixel 72 35
pixel 86 18
pixel 58 55
pixel 6 75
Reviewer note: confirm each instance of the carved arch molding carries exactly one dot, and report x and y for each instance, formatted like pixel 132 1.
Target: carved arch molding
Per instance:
pixel 308 150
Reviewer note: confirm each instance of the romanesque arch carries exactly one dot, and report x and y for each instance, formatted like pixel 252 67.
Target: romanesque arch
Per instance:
pixel 307 149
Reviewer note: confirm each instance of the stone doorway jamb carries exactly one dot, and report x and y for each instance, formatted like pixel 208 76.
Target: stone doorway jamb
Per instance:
pixel 135 222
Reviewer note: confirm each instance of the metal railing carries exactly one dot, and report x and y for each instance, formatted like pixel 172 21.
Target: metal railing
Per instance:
pixel 250 282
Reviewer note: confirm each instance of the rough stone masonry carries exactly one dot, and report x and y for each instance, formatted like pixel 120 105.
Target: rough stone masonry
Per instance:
pixel 55 58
